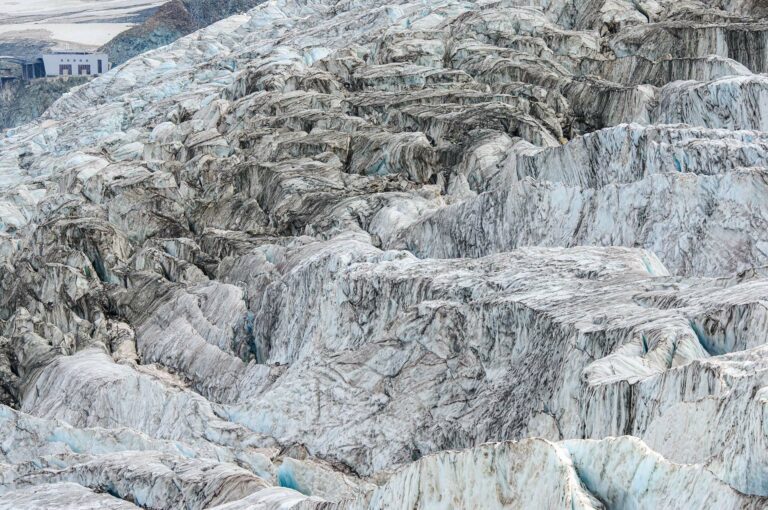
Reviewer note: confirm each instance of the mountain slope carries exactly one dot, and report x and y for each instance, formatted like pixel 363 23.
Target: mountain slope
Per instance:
pixel 22 102
pixel 172 20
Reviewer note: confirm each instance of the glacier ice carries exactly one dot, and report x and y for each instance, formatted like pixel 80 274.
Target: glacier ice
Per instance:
pixel 402 254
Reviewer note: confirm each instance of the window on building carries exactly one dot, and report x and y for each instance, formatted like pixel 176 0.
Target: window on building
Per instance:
pixel 101 70
pixel 65 70
pixel 84 69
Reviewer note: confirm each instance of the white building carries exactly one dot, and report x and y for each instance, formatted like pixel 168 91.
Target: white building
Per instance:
pixel 75 64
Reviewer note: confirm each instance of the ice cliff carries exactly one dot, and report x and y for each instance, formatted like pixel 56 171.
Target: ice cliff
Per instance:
pixel 397 254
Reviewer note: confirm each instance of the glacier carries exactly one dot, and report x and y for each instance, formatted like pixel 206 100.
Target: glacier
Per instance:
pixel 382 254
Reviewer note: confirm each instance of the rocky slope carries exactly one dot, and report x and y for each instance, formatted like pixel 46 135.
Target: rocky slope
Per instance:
pixel 172 20
pixel 374 255
pixel 22 102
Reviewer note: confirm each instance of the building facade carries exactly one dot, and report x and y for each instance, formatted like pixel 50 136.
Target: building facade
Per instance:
pixel 75 64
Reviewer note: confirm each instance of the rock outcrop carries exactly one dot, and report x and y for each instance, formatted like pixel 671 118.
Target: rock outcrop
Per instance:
pixel 22 102
pixel 369 255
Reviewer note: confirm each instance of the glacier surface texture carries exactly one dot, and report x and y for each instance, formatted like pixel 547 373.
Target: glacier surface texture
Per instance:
pixel 397 254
